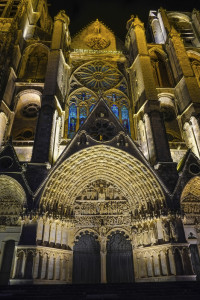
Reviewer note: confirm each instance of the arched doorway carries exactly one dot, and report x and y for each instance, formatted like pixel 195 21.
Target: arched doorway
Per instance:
pixel 7 262
pixel 86 260
pixel 119 261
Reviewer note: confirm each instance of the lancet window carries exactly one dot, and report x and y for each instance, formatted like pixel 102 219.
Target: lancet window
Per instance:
pixel 83 102
pixel 160 70
pixel 119 104
pixel 90 82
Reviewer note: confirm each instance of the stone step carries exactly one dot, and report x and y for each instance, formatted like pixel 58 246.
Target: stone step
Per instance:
pixel 139 291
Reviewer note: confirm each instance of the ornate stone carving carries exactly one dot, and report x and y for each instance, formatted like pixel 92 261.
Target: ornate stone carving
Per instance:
pixel 97 42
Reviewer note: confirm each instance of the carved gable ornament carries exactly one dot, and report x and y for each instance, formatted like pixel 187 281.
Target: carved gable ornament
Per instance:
pixel 96 40
pixel 96 36
pixel 190 198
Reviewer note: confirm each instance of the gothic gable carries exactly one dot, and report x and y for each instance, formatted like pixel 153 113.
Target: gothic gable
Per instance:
pixel 11 167
pixel 96 36
pixel 189 168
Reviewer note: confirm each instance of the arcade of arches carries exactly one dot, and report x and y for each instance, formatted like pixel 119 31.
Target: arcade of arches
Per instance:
pixel 99 148
pixel 96 230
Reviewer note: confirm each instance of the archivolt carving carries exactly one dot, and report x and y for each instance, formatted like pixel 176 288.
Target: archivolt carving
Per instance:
pixel 12 199
pixel 109 164
pixel 190 198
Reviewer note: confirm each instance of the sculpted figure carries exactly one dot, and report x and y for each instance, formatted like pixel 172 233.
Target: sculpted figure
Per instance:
pixel 174 230
pixel 166 231
pixel 153 234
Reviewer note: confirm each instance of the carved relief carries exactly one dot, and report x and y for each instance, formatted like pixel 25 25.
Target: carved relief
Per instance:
pixel 99 201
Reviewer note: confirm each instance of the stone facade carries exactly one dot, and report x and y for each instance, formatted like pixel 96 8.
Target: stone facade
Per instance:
pixel 99 148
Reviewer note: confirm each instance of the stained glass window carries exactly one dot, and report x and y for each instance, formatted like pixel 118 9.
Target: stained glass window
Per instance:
pixel 98 76
pixel 72 120
pixel 91 107
pixel 125 118
pixel 83 114
pixel 115 110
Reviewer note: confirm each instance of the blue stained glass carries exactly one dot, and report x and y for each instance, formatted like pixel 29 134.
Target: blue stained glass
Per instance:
pixel 115 110
pixel 125 118
pixel 83 114
pixel 83 96
pixel 72 120
pixel 91 107
pixel 114 97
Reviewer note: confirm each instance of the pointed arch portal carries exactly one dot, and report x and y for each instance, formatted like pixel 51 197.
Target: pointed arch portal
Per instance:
pixel 119 259
pixel 86 260
pixel 136 181
pixel 73 185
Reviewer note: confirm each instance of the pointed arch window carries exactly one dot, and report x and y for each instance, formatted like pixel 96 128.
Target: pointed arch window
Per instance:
pixel 91 107
pixel 72 120
pixel 125 118
pixel 160 70
pixel 115 110
pixel 119 105
pixel 34 63
pixel 83 114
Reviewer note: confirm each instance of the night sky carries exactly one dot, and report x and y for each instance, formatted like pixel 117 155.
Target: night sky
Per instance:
pixel 114 13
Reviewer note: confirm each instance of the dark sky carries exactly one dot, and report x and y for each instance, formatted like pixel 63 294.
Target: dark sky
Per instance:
pixel 114 13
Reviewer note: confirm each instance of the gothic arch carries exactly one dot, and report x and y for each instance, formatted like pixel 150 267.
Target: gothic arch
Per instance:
pixel 161 69
pixel 183 24
pixel 34 62
pixel 179 16
pixel 105 163
pixel 82 231
pixel 192 190
pixel 120 229
pixel 12 199
pixel 195 63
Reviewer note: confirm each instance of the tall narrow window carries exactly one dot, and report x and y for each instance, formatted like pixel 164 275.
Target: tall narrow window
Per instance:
pixel 83 114
pixel 125 118
pixel 72 120
pixel 115 110
pixel 91 107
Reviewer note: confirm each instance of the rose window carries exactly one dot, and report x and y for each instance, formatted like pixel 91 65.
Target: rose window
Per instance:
pixel 98 76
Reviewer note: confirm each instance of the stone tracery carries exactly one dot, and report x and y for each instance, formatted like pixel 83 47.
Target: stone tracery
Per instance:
pixel 104 163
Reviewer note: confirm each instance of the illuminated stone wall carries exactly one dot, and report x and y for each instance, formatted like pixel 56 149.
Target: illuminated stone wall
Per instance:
pixel 99 148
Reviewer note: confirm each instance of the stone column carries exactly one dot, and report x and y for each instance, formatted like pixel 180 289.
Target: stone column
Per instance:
pixel 44 266
pixel 24 264
pixel 3 125
pixel 172 262
pixel 36 265
pixel 40 227
pixel 157 32
pixel 64 238
pixel 15 267
pixel 63 268
pixel 138 266
pixel 46 232
pixel 51 263
pixel 66 122
pixel 149 139
pixel 57 268
pixel 103 266
pixel 69 269
pixel 196 133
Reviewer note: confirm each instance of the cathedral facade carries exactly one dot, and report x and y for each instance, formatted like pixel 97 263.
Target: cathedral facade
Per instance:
pixel 99 148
